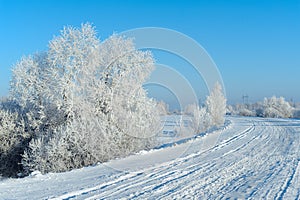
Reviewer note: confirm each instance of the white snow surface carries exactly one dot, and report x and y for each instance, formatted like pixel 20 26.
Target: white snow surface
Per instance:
pixel 251 158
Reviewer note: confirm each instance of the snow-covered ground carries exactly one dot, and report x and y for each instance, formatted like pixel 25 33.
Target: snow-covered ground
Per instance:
pixel 250 158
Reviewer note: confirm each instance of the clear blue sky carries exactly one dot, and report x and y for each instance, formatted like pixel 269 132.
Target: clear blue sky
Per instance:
pixel 255 44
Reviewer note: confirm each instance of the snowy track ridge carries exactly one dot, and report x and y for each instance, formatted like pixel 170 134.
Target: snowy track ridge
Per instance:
pixel 253 158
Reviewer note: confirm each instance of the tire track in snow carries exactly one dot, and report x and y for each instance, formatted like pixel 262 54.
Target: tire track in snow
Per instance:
pixel 101 187
pixel 183 173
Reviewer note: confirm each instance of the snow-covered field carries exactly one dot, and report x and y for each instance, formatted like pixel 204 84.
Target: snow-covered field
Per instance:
pixel 250 158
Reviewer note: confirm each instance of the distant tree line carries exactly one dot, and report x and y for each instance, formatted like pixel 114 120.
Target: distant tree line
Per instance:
pixel 274 107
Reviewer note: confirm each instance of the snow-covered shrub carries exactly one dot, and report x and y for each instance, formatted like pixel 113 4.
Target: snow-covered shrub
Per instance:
pixel 277 107
pixel 216 105
pixel 211 114
pixel 83 101
pixel 12 142
pixel 246 112
pixel 230 110
pixel 66 149
pixel 201 119
pixel 189 109
pixel 162 107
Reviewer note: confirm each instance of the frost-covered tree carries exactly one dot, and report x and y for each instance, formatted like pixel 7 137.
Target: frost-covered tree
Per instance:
pixel 125 69
pixel 216 105
pixel 83 101
pixel 30 89
pixel 201 120
pixel 73 58
pixel 277 107
pixel 211 114
pixel 162 107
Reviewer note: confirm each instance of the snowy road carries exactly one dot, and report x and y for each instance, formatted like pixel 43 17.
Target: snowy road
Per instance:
pixel 252 158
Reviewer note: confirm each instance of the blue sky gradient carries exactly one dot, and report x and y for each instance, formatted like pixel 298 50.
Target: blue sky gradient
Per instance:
pixel 255 44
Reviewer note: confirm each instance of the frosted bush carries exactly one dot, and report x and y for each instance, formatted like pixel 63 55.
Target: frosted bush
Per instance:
pixel 246 112
pixel 12 142
pixel 200 118
pixel 83 102
pixel 212 114
pixel 277 107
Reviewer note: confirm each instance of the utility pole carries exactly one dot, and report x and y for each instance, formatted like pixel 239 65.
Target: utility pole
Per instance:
pixel 245 99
